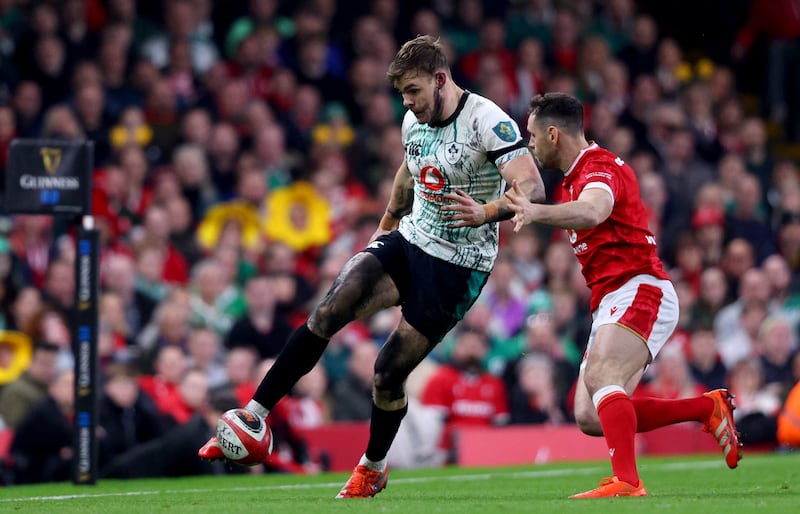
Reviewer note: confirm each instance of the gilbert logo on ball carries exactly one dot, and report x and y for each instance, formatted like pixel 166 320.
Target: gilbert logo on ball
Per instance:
pixel 244 437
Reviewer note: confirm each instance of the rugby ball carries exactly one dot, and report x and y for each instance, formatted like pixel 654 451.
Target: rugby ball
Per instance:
pixel 244 437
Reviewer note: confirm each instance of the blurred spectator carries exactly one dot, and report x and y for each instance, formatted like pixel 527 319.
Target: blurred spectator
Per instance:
pixel 699 106
pixel 182 22
pixel 683 172
pixel 215 300
pixel 41 450
pixel 639 56
pixel 465 394
pixel 748 219
pixel 492 39
pixel 126 417
pixel 27 103
pixel 530 75
pixel 615 23
pixel 261 327
pixel 23 310
pixel 351 396
pixel 783 290
pixel 205 353
pixel 30 239
pixel 162 385
pixel 223 151
pixel 119 276
pixel 757 407
pixel 462 29
pixel 155 231
pixel 20 396
pixel 505 295
pixel 111 312
pixel 776 346
pixel 535 398
pixel 712 296
pixel 671 71
pixel 703 359
pixel 191 166
pixel 58 289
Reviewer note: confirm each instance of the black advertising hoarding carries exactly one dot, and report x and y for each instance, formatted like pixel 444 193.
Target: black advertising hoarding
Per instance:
pixel 85 350
pixel 46 176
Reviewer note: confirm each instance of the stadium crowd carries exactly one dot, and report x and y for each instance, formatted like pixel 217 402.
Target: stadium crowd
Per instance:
pixel 245 150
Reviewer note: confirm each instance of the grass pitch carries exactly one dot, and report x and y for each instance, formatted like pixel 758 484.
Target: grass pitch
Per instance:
pixel 763 484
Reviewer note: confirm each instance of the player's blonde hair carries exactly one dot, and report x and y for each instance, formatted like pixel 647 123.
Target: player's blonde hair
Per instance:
pixel 423 54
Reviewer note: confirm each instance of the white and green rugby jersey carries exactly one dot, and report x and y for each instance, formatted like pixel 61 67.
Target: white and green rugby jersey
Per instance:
pixel 462 152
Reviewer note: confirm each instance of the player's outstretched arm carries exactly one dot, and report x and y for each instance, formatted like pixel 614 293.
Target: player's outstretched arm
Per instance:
pixel 592 207
pixel 400 202
pixel 466 212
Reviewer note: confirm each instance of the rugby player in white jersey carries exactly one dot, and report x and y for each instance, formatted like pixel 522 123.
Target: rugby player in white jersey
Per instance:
pixel 432 252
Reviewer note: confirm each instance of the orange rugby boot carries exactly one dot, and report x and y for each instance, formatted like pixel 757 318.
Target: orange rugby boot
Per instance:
pixel 612 487
pixel 211 450
pixel 721 425
pixel 364 483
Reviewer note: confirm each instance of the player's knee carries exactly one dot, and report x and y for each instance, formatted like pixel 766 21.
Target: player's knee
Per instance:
pixel 389 386
pixel 588 423
pixel 327 320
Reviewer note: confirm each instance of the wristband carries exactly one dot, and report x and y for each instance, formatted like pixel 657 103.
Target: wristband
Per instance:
pixel 490 212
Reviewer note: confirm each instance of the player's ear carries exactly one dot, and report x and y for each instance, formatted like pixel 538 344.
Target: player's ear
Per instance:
pixel 440 78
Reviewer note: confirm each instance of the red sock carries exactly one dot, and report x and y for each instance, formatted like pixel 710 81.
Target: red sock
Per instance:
pixel 618 420
pixel 652 413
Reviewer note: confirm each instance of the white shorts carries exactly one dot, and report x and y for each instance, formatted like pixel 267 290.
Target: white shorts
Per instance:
pixel 645 305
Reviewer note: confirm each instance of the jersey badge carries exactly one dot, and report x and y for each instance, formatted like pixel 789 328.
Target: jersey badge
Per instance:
pixel 505 131
pixel 453 152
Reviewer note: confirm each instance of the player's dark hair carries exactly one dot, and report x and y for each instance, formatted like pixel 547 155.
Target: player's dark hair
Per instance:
pixel 423 54
pixel 558 109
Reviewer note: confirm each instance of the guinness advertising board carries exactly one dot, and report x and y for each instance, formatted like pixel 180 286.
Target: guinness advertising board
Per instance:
pixel 49 177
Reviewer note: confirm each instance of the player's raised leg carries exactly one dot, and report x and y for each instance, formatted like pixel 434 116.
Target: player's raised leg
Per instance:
pixel 361 288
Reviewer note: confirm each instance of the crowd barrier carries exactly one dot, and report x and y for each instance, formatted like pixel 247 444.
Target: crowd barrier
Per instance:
pixel 343 444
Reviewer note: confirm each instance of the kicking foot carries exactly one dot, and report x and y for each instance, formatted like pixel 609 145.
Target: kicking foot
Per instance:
pixel 211 450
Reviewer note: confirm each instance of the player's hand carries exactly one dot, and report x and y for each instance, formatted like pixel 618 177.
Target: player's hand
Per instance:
pixel 463 210
pixel 517 202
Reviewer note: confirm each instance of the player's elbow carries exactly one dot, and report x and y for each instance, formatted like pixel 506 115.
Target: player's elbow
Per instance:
pixel 589 217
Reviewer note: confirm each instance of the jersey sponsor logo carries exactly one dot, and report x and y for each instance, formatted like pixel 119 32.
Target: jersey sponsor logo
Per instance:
pixel 453 152
pixel 505 131
pixel 431 178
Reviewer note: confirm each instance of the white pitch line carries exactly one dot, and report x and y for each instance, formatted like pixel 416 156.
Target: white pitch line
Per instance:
pixel 678 466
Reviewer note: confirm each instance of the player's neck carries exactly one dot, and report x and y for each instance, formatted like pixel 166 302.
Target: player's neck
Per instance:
pixel 572 147
pixel 451 96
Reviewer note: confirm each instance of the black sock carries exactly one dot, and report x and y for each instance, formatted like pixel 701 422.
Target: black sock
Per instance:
pixel 382 429
pixel 302 351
